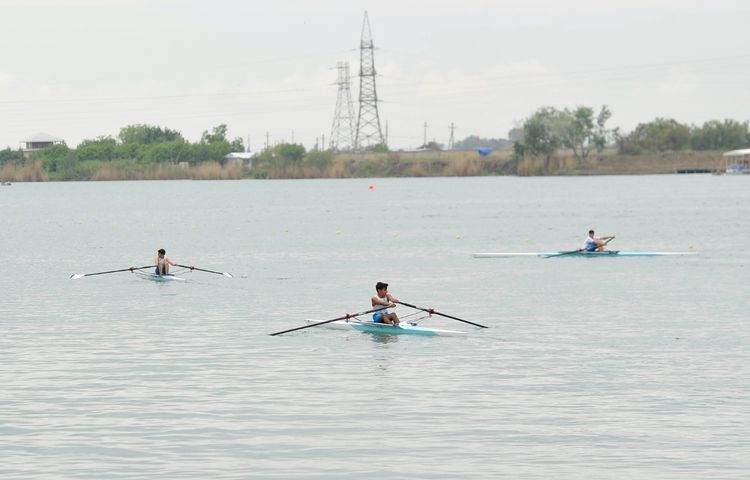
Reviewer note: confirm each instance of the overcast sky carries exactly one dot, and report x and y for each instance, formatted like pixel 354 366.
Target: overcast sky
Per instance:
pixel 80 69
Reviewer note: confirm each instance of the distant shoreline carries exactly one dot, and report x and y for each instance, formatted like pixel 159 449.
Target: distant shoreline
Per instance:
pixel 402 164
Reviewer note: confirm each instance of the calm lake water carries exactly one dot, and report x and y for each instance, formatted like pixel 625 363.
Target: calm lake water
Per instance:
pixel 614 368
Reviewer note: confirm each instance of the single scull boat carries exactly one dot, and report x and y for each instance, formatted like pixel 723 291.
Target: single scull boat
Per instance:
pixel 608 253
pixel 404 328
pixel 159 278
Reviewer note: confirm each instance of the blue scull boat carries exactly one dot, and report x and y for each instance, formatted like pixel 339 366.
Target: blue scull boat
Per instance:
pixel 606 253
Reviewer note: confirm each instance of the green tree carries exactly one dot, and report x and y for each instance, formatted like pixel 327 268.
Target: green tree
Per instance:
pixel 237 145
pixel 659 135
pixel 142 134
pixel 217 134
pixel 102 149
pixel 580 132
pixel 167 152
pixel 8 155
pixel 716 135
pixel 541 134
pixel 289 153
pixel 54 157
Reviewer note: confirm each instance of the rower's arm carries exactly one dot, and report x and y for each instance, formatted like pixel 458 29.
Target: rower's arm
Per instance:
pixel 377 301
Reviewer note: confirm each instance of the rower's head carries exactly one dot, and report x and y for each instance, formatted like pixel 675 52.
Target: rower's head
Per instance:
pixel 162 252
pixel 591 233
pixel 381 287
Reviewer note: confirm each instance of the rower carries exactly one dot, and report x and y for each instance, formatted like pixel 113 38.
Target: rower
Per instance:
pixel 387 301
pixel 595 244
pixel 163 262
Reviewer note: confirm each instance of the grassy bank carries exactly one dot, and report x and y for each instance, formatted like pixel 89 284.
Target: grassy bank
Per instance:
pixel 501 162
pixel 391 164
pixel 33 171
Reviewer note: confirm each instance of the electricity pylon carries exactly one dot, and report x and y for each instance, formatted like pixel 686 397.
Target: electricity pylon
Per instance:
pixel 342 131
pixel 368 120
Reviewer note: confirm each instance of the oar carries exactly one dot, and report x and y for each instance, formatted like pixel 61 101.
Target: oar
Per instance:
pixel 226 274
pixel 76 276
pixel 345 317
pixel 429 310
pixel 609 239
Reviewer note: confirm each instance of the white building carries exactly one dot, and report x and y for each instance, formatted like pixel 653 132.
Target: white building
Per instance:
pixel 39 141
pixel 239 158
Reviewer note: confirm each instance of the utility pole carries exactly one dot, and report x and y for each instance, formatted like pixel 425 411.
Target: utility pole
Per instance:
pixel 268 144
pixel 450 141
pixel 368 121
pixel 424 141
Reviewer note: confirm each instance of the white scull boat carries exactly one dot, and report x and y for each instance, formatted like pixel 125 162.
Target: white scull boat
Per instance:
pixel 404 328
pixel 159 278
pixel 608 254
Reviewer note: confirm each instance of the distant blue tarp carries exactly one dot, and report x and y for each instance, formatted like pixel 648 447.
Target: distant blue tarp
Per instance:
pixel 484 151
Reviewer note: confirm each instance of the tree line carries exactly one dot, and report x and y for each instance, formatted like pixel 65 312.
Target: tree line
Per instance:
pixel 146 151
pixel 583 130
pixel 137 147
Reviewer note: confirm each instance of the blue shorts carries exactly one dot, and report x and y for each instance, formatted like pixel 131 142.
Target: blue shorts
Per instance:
pixel 591 247
pixel 377 318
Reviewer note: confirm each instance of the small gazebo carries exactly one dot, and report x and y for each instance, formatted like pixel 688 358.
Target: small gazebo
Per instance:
pixel 39 141
pixel 737 161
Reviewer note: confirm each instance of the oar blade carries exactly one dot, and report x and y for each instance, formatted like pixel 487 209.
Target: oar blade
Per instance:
pixel 227 274
pixel 76 276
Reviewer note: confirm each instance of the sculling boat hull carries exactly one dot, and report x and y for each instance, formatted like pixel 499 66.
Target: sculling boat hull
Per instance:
pixel 608 254
pixel 159 278
pixel 386 329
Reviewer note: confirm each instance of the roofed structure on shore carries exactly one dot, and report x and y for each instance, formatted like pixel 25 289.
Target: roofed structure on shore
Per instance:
pixel 39 141
pixel 239 158
pixel 737 161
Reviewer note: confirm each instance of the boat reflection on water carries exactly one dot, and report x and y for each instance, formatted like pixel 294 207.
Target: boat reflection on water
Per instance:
pixel 383 339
